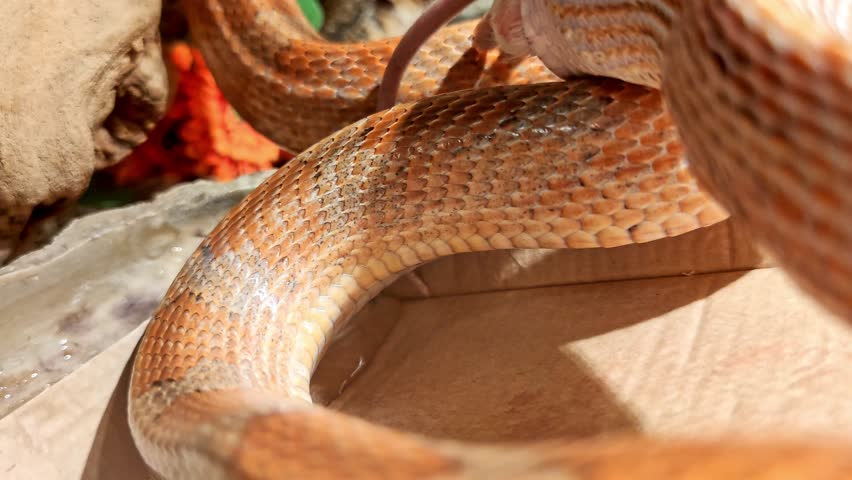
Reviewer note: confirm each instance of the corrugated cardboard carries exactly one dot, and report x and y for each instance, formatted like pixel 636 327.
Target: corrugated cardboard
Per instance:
pixel 693 336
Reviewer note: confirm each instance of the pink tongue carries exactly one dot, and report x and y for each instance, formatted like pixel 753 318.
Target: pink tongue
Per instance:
pixel 433 18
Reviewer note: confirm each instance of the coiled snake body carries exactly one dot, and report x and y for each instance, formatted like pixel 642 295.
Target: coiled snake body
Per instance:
pixel 220 382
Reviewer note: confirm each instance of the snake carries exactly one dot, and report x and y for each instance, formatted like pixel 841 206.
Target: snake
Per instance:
pixel 589 124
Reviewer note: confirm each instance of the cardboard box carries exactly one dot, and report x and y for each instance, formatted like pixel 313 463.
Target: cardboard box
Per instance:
pixel 693 336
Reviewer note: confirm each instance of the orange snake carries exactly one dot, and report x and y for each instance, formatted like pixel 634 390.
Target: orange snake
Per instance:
pixel 756 88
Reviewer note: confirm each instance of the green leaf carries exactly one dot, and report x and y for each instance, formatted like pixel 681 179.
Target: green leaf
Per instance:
pixel 313 12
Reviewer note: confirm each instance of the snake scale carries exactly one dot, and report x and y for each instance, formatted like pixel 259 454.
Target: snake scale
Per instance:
pixel 488 151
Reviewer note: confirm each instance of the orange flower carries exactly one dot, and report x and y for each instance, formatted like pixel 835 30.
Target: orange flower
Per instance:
pixel 201 136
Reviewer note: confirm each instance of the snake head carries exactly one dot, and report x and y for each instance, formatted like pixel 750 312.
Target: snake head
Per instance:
pixel 502 27
pixel 573 38
pixel 521 28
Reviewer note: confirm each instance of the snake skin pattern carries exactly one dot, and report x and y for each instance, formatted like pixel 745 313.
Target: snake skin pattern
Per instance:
pixel 220 383
pixel 757 89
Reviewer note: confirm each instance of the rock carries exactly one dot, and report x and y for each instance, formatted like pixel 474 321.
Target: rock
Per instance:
pixel 352 21
pixel 99 279
pixel 81 82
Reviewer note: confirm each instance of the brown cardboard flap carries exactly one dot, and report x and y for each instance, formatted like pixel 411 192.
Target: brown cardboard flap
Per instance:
pixel 739 352
pixel 680 337
pixel 723 247
pixel 53 435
